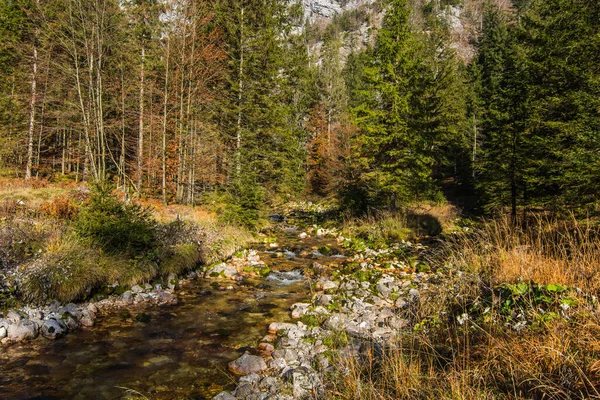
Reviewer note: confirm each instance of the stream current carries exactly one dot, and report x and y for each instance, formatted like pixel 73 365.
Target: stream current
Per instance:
pixel 181 352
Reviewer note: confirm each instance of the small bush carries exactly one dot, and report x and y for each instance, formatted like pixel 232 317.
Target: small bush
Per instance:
pixel 59 208
pixel 116 226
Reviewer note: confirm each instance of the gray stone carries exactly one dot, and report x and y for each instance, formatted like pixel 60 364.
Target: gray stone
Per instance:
pixel 53 329
pixel 323 299
pixel 270 384
pixel 289 355
pixel 400 303
pixel 243 390
pixel 278 364
pixel 414 294
pixel 167 298
pixel 299 309
pixel 14 316
pixel 258 396
pixel 326 284
pixel 252 378
pixel 2 332
pixel 137 289
pixel 296 334
pixel 221 269
pixel 127 297
pixel 88 318
pixel 223 396
pixel 70 321
pixel 54 306
pixel 22 330
pixel 247 364
pixel 302 385
pixel 71 309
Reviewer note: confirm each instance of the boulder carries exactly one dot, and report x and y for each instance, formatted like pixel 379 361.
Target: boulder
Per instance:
pixel 137 289
pixel 247 364
pixel 88 318
pixel 22 330
pixel 2 332
pixel 279 326
pixel 326 284
pixel 299 309
pixel 243 390
pixel 167 298
pixel 14 316
pixel 70 321
pixel 127 297
pixel 53 329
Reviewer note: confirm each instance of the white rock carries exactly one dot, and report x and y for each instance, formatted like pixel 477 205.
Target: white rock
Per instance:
pixel 22 330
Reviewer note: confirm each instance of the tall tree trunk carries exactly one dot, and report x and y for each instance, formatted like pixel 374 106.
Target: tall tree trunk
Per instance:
pixel 140 155
pixel 164 127
pixel 238 153
pixel 32 114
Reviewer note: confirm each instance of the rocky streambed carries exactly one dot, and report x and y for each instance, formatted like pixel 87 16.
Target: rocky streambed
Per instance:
pixel 266 324
pixel 161 343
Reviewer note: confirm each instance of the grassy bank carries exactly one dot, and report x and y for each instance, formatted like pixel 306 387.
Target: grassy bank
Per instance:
pixel 514 315
pixel 69 243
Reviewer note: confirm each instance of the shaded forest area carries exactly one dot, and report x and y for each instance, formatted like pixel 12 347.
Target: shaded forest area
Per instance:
pixel 194 101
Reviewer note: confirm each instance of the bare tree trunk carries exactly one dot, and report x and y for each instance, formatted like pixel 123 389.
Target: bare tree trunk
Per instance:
pixel 164 127
pixel 140 156
pixel 32 114
pixel 238 153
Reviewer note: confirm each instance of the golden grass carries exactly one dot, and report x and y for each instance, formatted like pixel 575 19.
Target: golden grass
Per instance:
pixel 485 358
pixel 545 251
pixel 417 220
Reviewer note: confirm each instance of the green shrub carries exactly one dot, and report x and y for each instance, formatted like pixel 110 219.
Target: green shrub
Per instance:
pixel 116 226
pixel 244 204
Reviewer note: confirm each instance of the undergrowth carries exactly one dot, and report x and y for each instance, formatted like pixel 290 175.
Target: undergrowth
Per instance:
pixel 74 246
pixel 514 315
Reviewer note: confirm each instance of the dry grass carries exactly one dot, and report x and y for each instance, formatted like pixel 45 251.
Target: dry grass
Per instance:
pixel 45 259
pixel 556 355
pixel 545 251
pixel 418 220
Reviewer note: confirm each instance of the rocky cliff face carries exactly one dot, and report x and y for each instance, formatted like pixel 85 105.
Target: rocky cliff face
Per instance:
pixel 315 10
pixel 464 21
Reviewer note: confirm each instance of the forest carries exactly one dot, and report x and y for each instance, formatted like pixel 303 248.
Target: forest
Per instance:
pixel 405 192
pixel 188 100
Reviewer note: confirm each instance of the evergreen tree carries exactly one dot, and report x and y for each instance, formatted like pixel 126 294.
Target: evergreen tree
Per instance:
pixel 503 150
pixel 394 169
pixel 560 46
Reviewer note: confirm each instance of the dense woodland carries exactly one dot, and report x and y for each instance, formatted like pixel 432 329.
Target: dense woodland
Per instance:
pixel 185 100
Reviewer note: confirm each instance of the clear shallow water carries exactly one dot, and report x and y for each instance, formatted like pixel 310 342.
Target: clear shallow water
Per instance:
pixel 181 353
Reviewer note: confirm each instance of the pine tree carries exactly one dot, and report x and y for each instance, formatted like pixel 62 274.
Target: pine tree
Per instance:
pixel 560 44
pixel 503 150
pixel 395 170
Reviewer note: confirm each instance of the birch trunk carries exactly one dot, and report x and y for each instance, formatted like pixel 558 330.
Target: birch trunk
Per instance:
pixel 32 114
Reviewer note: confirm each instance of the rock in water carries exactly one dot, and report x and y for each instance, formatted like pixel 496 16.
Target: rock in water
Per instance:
pixel 22 330
pixel 127 297
pixel 53 329
pixel 247 364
